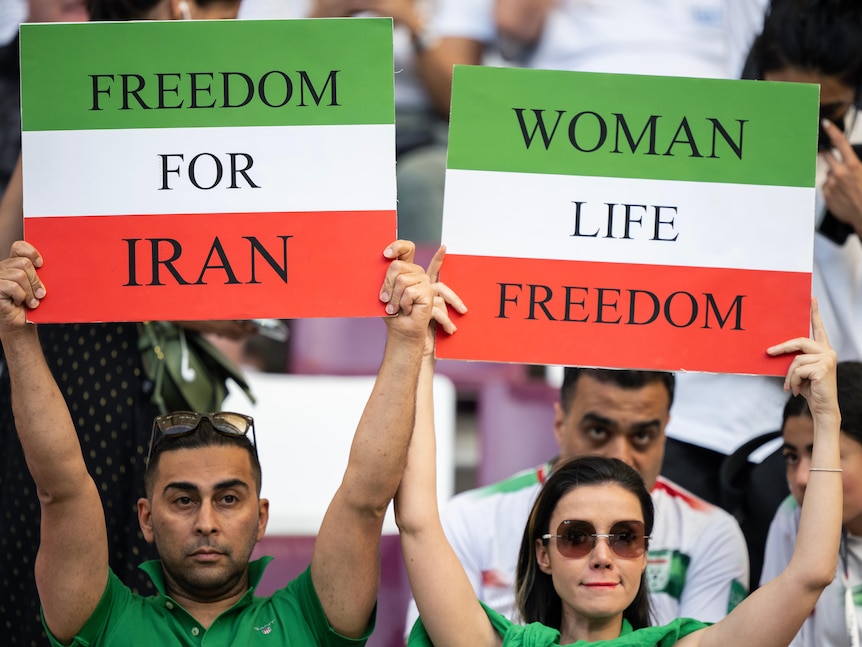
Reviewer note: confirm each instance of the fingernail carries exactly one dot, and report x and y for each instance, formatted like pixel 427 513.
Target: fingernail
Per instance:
pixel 388 252
pixel 390 309
pixel 384 296
pixel 825 123
pixel 40 293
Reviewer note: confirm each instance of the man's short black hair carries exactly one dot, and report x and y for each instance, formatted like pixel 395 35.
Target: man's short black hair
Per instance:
pixel 203 436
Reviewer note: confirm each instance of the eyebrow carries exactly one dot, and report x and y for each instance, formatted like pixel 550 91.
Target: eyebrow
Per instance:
pixel 191 487
pixel 809 447
pixel 595 418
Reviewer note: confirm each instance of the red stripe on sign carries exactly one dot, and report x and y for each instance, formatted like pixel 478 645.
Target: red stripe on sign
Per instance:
pixel 211 266
pixel 624 316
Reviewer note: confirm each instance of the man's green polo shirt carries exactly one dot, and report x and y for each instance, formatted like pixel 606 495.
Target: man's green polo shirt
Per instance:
pixel 291 616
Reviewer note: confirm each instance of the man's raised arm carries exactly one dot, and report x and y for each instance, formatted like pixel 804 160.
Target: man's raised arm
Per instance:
pixel 72 562
pixel 345 567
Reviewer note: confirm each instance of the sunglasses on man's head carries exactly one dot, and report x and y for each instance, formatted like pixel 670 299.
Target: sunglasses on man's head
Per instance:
pixel 576 538
pixel 183 423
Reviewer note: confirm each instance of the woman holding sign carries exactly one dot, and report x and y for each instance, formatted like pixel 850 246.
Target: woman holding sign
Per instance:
pixel 583 554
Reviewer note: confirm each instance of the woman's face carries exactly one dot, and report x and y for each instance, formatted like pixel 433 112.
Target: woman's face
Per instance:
pixel 600 585
pixel 798 434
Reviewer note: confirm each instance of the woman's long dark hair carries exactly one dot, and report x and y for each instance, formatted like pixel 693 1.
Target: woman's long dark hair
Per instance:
pixel 536 597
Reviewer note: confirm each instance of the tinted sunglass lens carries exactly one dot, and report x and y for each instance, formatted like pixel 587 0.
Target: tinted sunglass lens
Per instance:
pixel 576 540
pixel 627 540
pixel 177 423
pixel 231 423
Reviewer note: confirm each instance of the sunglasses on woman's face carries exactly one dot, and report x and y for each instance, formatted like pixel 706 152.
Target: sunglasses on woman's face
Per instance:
pixel 576 538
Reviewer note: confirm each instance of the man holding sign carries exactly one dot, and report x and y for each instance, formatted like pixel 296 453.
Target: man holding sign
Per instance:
pixel 202 507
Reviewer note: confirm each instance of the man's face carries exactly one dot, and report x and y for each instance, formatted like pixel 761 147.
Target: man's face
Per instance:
pixel 604 419
pixel 205 517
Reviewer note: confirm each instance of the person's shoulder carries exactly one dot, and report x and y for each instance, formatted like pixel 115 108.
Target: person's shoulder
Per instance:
pixel 525 481
pixel 667 491
pixel 694 512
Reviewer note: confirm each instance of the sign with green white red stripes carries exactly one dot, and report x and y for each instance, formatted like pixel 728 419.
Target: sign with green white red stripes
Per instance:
pixel 629 221
pixel 209 169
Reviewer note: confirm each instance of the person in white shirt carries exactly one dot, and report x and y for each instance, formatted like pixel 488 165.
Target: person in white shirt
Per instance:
pixel 837 617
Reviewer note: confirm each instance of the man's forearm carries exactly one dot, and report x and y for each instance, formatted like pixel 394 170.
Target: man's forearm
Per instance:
pixel 379 448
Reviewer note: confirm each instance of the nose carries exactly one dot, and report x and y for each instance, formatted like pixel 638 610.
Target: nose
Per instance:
pixel 620 448
pixel 800 475
pixel 206 522
pixel 601 554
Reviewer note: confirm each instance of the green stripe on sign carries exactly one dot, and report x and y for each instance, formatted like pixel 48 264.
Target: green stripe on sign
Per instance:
pixel 183 74
pixel 612 125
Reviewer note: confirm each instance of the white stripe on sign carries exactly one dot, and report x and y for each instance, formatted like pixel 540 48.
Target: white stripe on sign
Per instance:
pixel 696 224
pixel 210 170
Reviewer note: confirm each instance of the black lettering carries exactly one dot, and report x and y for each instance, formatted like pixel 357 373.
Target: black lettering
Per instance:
pixel 570 303
pixel 97 90
pixel 534 289
pixel 735 146
pixel 163 90
pixel 735 306
pixel 601 304
pixel 505 299
pixel 288 89
pixel 630 219
pixel 689 139
pixel 177 250
pixel 198 89
pixel 650 127
pixel 540 126
pixel 633 308
pixel 659 222
pixel 193 174
pixel 241 171
pixel 131 243
pixel 668 304
pixel 256 246
pixel 578 222
pixel 225 264
pixel 603 131
pixel 305 82
pixel 128 91
pixel 609 233
pixel 166 170
pixel 249 89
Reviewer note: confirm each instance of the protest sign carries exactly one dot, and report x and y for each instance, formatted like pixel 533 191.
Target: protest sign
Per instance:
pixel 209 169
pixel 629 221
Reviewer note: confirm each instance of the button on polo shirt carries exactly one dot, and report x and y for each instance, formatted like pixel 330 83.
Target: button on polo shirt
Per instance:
pixel 291 617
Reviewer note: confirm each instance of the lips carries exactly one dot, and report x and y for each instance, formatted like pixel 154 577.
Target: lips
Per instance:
pixel 206 554
pixel 602 585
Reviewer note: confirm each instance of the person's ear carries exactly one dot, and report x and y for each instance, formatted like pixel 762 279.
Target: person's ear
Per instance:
pixel 145 519
pixel 262 518
pixel 543 560
pixel 559 423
